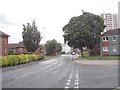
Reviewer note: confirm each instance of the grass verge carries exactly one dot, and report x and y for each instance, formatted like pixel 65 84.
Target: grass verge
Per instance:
pixel 101 58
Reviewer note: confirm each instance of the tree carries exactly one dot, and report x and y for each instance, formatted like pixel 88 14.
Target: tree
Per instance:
pixel 83 31
pixel 52 47
pixel 31 36
pixel 59 47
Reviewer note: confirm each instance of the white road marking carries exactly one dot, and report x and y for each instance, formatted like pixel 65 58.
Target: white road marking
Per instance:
pixel 76 83
pixel 68 83
pixel 35 71
pixel 69 80
pixel 77 77
pixel 24 75
pixel 66 87
pixel 70 77
pixel 76 86
pixel 76 80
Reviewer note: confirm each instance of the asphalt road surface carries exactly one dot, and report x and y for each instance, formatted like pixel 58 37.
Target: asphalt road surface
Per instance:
pixel 61 72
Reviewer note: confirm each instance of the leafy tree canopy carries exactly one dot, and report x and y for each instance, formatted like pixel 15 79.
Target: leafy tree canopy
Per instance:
pixel 31 36
pixel 52 47
pixel 83 30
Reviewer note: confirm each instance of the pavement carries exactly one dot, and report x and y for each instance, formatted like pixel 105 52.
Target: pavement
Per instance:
pixel 97 62
pixel 62 72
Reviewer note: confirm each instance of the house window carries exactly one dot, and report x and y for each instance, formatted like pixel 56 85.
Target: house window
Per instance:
pixel 20 49
pixel 114 48
pixel 105 39
pixel 5 42
pixel 5 50
pixel 105 48
pixel 114 39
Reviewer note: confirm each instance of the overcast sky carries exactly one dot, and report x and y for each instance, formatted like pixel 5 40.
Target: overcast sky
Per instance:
pixel 51 15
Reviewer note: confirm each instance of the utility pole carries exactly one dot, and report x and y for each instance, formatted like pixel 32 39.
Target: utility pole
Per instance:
pixel 44 40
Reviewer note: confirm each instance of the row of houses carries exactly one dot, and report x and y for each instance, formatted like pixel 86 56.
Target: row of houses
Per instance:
pixel 17 48
pixel 109 44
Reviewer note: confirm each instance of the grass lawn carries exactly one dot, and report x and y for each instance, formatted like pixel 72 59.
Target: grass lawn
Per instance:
pixel 101 57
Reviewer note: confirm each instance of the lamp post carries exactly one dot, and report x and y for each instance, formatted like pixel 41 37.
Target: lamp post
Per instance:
pixel 44 40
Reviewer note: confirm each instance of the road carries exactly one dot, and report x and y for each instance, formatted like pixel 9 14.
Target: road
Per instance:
pixel 61 72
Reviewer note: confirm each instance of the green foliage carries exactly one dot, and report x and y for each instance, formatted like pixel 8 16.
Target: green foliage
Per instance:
pixel 12 60
pixel 0 61
pixel 31 36
pixel 5 61
pixel 23 59
pixel 83 31
pixel 11 52
pixel 101 57
pixel 52 47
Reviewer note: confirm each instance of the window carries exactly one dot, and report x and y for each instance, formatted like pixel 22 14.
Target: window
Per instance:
pixel 20 49
pixel 105 48
pixel 114 48
pixel 5 41
pixel 5 50
pixel 105 39
pixel 114 39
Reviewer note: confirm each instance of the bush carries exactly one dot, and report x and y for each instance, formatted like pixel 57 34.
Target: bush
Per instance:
pixel 5 61
pixel 0 61
pixel 12 60
pixel 23 59
pixel 27 58
pixel 11 52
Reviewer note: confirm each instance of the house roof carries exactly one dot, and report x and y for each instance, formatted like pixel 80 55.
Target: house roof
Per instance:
pixel 18 45
pixel 112 32
pixel 3 34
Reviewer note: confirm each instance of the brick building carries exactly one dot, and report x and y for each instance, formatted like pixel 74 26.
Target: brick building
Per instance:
pixel 18 48
pixel 3 44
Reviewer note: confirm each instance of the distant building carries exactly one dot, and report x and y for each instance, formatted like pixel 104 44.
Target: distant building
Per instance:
pixel 40 50
pixel 119 14
pixel 66 48
pixel 3 44
pixel 110 20
pixel 18 48
pixel 110 42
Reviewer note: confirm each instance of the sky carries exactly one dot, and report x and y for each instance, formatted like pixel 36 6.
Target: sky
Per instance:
pixel 50 15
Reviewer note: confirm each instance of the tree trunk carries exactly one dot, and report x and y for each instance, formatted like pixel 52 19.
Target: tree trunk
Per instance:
pixel 82 51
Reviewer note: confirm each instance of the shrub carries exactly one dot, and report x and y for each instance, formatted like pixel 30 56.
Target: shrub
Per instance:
pixel 19 59
pixel 0 61
pixel 11 52
pixel 27 58
pixel 5 61
pixel 13 60
pixel 23 59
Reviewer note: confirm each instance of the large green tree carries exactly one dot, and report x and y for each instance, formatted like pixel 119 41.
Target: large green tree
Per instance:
pixel 31 36
pixel 83 31
pixel 52 47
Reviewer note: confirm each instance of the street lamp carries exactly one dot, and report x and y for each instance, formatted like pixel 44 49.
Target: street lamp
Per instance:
pixel 44 40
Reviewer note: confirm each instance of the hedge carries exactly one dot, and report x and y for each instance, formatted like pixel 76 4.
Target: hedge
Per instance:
pixel 13 60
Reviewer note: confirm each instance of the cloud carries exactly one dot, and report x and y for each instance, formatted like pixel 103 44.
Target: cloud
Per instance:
pixel 4 22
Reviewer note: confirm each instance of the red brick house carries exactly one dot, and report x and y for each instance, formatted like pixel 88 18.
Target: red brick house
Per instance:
pixel 40 50
pixel 18 48
pixel 3 44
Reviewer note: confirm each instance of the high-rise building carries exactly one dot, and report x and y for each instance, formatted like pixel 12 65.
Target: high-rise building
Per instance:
pixel 119 14
pixel 110 20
